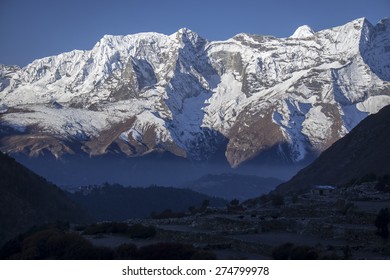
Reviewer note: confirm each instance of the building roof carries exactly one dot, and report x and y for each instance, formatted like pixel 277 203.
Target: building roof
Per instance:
pixel 325 187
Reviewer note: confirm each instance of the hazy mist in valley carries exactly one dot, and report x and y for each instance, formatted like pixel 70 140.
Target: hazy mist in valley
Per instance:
pixel 165 170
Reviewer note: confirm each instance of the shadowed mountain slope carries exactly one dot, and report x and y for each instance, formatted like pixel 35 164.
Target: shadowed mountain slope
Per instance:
pixel 27 199
pixel 365 150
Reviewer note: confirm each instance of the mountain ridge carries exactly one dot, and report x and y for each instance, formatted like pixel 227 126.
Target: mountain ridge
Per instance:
pixel 185 95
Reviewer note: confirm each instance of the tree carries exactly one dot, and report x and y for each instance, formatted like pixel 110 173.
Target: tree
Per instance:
pixel 235 206
pixel 192 209
pixel 277 200
pixel 382 222
pixel 205 203
pixel 234 202
pixel 383 184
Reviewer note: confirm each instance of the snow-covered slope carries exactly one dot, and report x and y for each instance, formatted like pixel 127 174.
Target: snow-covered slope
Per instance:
pixel 150 92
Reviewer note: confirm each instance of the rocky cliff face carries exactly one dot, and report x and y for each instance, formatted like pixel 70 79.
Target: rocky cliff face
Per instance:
pixel 150 92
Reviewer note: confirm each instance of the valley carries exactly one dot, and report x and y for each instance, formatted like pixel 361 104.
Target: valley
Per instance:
pixel 335 226
pixel 153 146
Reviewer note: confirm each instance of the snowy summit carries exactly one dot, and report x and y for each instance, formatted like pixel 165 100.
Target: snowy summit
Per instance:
pixel 303 32
pixel 249 95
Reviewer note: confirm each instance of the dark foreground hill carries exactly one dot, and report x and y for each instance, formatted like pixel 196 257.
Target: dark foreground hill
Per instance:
pixel 364 151
pixel 27 199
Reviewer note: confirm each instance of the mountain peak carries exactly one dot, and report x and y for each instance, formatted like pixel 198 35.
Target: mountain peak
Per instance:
pixel 359 20
pixel 181 94
pixel 360 24
pixel 186 35
pixel 128 39
pixel 303 31
pixel 385 20
pixel 185 30
pixel 384 23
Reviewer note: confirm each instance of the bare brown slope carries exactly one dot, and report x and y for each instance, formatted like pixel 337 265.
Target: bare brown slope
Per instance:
pixel 365 150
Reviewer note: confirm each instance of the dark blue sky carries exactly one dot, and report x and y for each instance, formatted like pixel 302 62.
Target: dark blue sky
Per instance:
pixel 31 29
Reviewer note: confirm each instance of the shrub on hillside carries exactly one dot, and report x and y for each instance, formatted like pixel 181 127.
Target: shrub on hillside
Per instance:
pixel 166 251
pixel 277 200
pixel 382 222
pixel 133 231
pixel 167 214
pixel 106 227
pixel 55 244
pixel 126 252
pixel 141 231
pixel 383 184
pixel 60 245
pixel 289 251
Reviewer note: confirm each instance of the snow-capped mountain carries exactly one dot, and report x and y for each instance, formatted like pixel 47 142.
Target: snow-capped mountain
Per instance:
pixel 148 92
